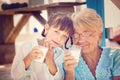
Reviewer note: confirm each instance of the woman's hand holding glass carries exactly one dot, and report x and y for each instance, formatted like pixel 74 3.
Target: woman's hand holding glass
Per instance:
pixel 71 58
pixel 69 62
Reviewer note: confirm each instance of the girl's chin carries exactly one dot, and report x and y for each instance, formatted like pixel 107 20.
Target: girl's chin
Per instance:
pixel 56 46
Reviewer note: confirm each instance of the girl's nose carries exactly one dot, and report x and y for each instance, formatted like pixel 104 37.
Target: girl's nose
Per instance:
pixel 59 38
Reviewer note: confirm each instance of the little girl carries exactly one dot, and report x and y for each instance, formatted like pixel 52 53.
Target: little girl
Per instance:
pixel 56 33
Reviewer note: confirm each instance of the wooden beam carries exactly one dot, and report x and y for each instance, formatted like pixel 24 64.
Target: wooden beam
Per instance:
pixel 7 52
pixel 66 9
pixel 39 18
pixel 10 32
pixel 16 30
pixel 1 29
pixel 40 7
pixel 116 2
pixel 6 24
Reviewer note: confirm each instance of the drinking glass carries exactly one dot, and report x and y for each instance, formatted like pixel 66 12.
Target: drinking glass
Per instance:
pixel 75 52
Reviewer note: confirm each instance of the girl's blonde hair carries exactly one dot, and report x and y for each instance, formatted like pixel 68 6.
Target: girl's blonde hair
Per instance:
pixel 88 18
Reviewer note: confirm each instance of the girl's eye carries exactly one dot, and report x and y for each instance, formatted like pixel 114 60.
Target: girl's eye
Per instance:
pixel 65 37
pixel 56 32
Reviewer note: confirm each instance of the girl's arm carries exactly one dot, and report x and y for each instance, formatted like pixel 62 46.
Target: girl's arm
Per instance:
pixel 50 62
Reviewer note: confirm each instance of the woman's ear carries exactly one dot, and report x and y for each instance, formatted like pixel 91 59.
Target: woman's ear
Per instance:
pixel 100 38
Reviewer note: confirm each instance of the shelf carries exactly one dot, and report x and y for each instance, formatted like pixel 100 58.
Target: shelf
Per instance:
pixel 39 7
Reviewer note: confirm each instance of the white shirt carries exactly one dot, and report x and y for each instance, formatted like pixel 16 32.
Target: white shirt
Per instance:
pixel 37 70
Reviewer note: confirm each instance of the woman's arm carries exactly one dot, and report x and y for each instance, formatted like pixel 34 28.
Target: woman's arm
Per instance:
pixel 70 75
pixel 69 63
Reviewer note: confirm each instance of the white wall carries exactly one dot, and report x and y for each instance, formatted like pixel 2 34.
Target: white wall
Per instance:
pixel 112 19
pixel 112 14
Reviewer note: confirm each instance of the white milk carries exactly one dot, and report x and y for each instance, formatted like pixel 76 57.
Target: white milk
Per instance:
pixel 75 52
pixel 44 50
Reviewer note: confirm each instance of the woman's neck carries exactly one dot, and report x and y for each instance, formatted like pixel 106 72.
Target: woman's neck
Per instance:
pixel 93 55
pixel 92 59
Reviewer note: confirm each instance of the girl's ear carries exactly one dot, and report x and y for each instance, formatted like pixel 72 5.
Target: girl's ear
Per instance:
pixel 46 27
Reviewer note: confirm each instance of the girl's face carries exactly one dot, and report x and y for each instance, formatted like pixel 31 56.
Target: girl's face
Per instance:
pixel 56 37
pixel 88 40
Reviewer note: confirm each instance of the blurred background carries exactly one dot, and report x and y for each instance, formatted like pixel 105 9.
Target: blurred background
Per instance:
pixel 109 10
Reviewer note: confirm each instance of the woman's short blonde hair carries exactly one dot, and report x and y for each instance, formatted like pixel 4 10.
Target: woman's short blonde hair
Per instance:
pixel 88 18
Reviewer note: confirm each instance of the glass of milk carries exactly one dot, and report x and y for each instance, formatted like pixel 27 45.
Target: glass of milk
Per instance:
pixel 75 52
pixel 43 49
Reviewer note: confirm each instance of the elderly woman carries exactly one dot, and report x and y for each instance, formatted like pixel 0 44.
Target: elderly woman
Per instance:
pixel 95 62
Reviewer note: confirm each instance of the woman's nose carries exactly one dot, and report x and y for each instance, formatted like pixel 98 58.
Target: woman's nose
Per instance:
pixel 82 38
pixel 78 41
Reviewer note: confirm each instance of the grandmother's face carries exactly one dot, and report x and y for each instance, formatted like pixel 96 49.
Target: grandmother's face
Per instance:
pixel 87 39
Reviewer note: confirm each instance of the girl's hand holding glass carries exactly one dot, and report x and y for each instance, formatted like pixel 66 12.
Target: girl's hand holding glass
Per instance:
pixel 42 51
pixel 36 53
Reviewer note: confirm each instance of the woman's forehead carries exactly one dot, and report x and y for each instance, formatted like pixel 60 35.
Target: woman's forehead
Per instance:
pixel 79 29
pixel 84 28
